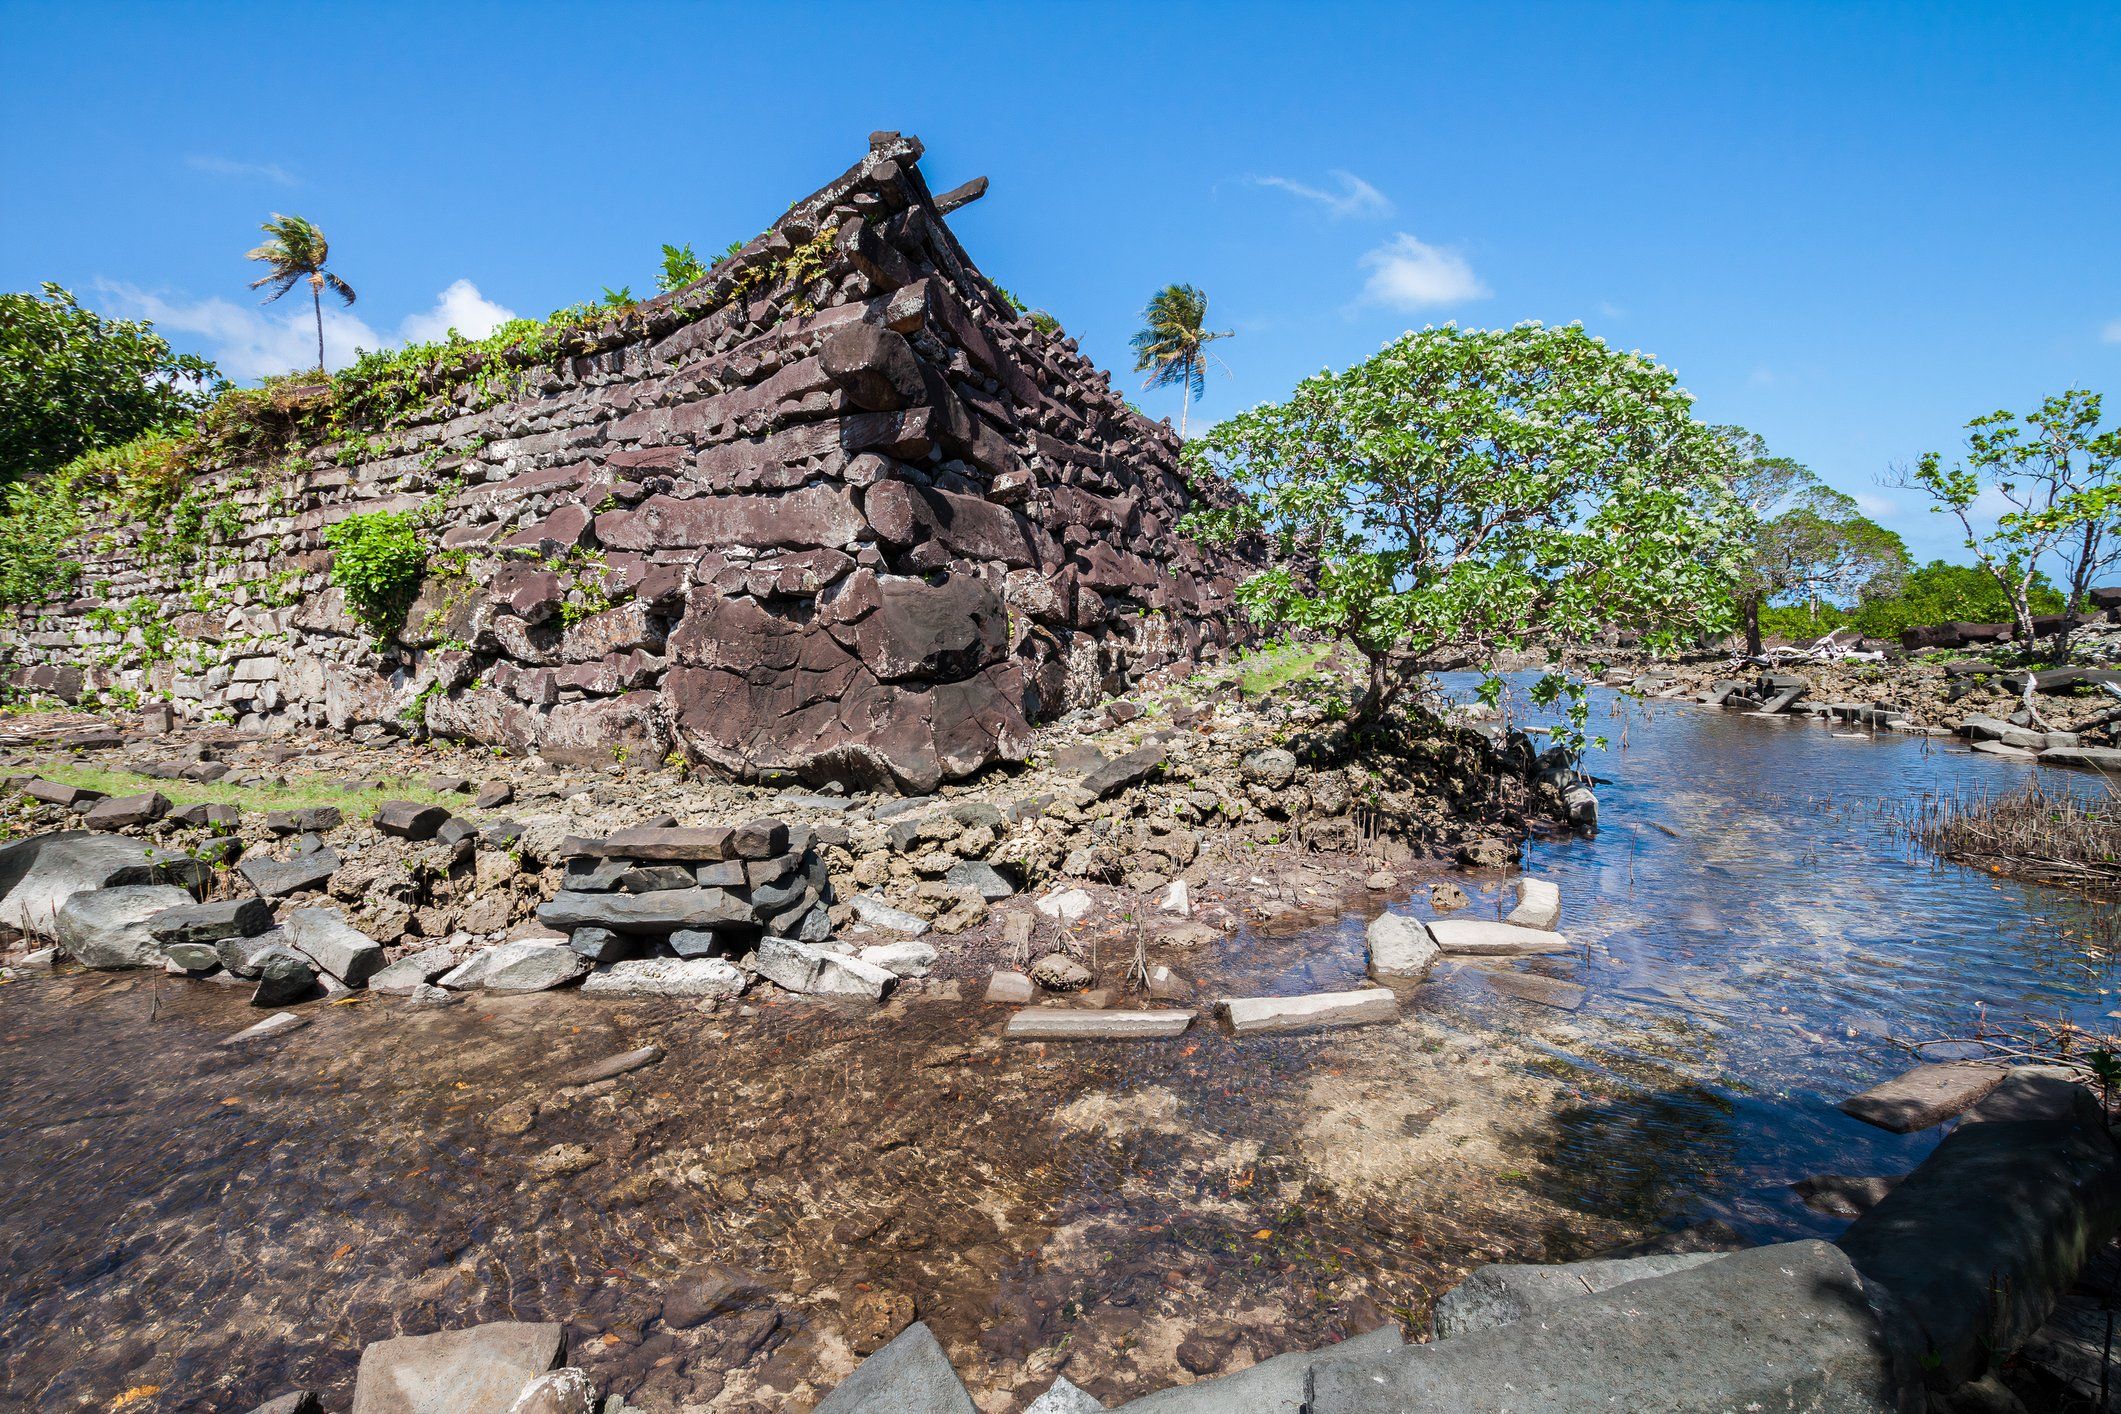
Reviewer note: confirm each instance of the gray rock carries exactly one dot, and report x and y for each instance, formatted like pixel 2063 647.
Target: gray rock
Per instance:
pixel 603 945
pixel 714 1289
pixel 120 811
pixel 596 876
pixel 1129 770
pixel 405 976
pixel 878 914
pixel 38 875
pixel 667 977
pixel 1538 904
pixel 1925 1096
pixel 611 1067
pixel 209 923
pixel 1473 937
pixel 277 878
pixel 1535 988
pixel 518 967
pixel 1053 1023
pixel 1400 947
pixel 664 911
pixel 911 1375
pixel 1254 1016
pixel 652 878
pixel 980 877
pixel 241 955
pixel 300 1402
pixel 284 976
pixel 1010 988
pixel 2093 758
pixel 1792 1327
pixel 808 969
pixel 1500 1293
pixel 1058 972
pixel 278 1024
pixel 295 822
pixel 325 937
pixel 1068 905
pixel 1065 1397
pixel 1270 766
pixel 1281 1385
pixel 566 1391
pixel 1986 1234
pixel 493 795
pixel 108 928
pixel 693 942
pixel 192 957
pixel 722 874
pixel 905 959
pixel 409 820
pixel 480 1370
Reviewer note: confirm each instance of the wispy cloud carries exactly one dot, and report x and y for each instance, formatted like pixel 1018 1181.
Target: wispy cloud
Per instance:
pixel 2111 334
pixel 1406 273
pixel 250 342
pixel 1611 310
pixel 1356 197
pixel 242 171
pixel 1762 376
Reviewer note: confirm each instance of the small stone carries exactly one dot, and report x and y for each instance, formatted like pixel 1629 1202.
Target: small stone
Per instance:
pixel 1447 897
pixel 448 785
pixel 403 977
pixel 906 959
pixel 602 945
pixel 408 820
pixel 276 878
pixel 276 1025
pixel 666 977
pixel 559 1161
pixel 283 977
pixel 1538 904
pixel 878 914
pixel 1271 767
pixel 1400 947
pixel 123 811
pixel 1380 882
pixel 651 878
pixel 1010 988
pixel 1486 854
pixel 493 795
pixel 1058 972
pixel 317 818
pixel 715 1289
pixel 1249 1016
pixel 1069 905
pixel 979 877
pixel 1177 899
pixel 324 937
pixel 567 1391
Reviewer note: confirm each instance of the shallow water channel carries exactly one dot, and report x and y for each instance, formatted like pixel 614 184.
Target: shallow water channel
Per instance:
pixel 187 1227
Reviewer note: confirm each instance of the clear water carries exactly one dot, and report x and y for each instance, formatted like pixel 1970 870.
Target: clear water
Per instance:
pixel 187 1227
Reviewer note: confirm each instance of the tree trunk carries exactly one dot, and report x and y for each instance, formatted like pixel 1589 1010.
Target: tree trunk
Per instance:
pixel 1185 400
pixel 316 302
pixel 1753 646
pixel 2081 572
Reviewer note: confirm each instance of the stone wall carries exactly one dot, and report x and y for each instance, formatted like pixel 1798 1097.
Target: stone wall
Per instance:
pixel 835 512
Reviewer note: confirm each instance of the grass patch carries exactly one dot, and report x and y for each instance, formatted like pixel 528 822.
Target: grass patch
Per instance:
pixel 300 793
pixel 1278 665
pixel 2038 832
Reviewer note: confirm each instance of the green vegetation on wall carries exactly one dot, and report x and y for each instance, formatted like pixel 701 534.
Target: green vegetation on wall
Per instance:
pixel 378 560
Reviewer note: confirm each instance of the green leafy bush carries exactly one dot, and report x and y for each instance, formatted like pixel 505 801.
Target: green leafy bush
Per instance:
pixel 378 560
pixel 681 267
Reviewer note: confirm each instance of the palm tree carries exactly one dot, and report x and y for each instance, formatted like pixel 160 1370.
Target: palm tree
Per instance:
pixel 298 249
pixel 1173 345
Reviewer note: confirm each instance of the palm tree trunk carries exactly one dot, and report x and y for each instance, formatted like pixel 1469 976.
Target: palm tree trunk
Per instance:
pixel 1185 398
pixel 316 302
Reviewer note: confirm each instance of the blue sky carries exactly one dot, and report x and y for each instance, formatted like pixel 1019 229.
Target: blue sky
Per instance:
pixel 1848 227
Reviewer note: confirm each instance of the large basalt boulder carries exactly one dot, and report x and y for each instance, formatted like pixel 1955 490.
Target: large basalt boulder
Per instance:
pixel 38 875
pixel 110 928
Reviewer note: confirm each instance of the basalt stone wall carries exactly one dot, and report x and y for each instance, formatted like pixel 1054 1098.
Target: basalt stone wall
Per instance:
pixel 836 512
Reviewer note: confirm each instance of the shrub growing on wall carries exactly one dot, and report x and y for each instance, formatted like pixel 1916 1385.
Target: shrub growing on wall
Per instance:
pixel 378 560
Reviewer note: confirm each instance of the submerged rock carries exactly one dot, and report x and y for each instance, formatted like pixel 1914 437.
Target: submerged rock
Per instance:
pixel 481 1370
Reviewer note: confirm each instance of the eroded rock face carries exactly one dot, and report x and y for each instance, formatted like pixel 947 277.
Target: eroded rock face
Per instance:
pixel 864 526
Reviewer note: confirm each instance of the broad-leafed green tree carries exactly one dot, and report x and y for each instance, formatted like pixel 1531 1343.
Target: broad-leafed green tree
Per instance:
pixel 1807 540
pixel 1172 347
pixel 2054 471
pixel 296 250
pixel 1466 492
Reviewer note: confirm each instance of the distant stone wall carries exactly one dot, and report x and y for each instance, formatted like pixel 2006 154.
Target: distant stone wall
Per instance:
pixel 836 512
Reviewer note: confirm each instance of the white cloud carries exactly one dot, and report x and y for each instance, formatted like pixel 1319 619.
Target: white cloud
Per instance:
pixel 250 341
pixel 1762 376
pixel 2111 334
pixel 249 171
pixel 1409 274
pixel 1356 197
pixel 1876 507
pixel 460 307
pixel 1611 310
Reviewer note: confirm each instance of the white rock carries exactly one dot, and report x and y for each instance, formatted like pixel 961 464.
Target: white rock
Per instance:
pixel 1538 904
pixel 667 977
pixel 1473 937
pixel 274 1025
pixel 1177 899
pixel 1251 1016
pixel 1068 905
pixel 1400 947
pixel 907 959
pixel 878 914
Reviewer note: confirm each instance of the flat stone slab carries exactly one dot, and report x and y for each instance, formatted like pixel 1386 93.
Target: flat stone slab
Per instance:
pixel 664 911
pixel 325 937
pixel 38 875
pixel 911 1375
pixel 686 846
pixel 276 878
pixel 109 928
pixel 1531 987
pixel 278 1024
pixel 612 1067
pixel 666 977
pixel 2091 758
pixel 476 1371
pixel 1066 1024
pixel 1788 1327
pixel 878 914
pixel 1281 1385
pixel 1500 1293
pixel 1538 904
pixel 1925 1096
pixel 1258 1016
pixel 1473 937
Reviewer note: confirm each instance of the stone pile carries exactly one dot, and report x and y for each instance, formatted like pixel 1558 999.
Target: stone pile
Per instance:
pixel 836 512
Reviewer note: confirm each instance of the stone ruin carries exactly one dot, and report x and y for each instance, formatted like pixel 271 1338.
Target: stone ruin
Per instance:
pixel 836 512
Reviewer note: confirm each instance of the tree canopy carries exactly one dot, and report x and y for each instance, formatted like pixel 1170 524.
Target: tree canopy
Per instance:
pixel 1462 491
pixel 1172 344
pixel 295 250
pixel 72 381
pixel 2054 470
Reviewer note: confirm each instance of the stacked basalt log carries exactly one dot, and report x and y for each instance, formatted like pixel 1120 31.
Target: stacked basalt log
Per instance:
pixel 837 512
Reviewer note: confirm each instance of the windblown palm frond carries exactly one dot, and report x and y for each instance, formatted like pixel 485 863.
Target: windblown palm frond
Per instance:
pixel 1172 346
pixel 294 251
